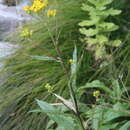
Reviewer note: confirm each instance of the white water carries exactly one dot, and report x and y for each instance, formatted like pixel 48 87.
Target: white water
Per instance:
pixel 10 18
pixel 14 12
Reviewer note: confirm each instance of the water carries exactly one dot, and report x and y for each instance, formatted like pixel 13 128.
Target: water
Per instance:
pixel 10 18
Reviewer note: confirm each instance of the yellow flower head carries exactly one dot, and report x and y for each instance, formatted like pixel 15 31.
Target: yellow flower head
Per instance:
pixel 49 87
pixel 26 32
pixel 26 8
pixel 96 93
pixel 71 61
pixel 51 13
pixel 36 6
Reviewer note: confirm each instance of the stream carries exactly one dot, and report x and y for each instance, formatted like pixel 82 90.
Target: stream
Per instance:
pixel 11 17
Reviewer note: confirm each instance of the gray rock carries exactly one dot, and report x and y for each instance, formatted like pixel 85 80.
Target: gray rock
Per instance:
pixel 11 2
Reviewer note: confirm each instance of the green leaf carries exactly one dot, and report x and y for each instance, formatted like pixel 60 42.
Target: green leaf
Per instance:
pixel 106 13
pixel 100 3
pixel 88 32
pixel 63 121
pixel 109 126
pixel 87 8
pixel 108 27
pixel 36 110
pixel 89 22
pixel 101 39
pixel 97 117
pixel 45 107
pixel 126 126
pixel 117 111
pixel 114 43
pixel 96 84
pixel 113 12
pixel 116 89
pixel 60 128
pixel 92 41
pixel 50 123
pixel 45 58
pixel 74 69
pixel 74 64
pixel 67 103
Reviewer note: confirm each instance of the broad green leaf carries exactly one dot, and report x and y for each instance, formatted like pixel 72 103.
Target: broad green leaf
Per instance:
pixel 100 3
pixel 109 126
pixel 108 27
pixel 96 84
pixel 106 13
pixel 126 126
pixel 113 12
pixel 88 22
pixel 50 123
pixel 115 43
pixel 97 117
pixel 63 121
pixel 87 8
pixel 101 39
pixel 60 128
pixel 67 103
pixel 117 111
pixel 45 58
pixel 119 107
pixel 116 89
pixel 36 110
pixel 111 115
pixel 88 32
pixel 47 108
pixel 92 41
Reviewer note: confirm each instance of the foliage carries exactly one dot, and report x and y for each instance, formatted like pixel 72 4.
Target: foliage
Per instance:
pixel 96 29
pixel 52 64
pixel 27 76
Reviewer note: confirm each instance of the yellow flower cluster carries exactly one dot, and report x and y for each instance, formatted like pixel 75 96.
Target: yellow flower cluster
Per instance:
pixel 49 87
pixel 26 32
pixel 36 6
pixel 96 93
pixel 71 61
pixel 51 13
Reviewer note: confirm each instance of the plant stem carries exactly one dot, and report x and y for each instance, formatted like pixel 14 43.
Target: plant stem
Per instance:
pixel 58 51
pixel 76 107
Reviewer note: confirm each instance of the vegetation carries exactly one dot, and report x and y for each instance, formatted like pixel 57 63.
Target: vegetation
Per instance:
pixel 73 63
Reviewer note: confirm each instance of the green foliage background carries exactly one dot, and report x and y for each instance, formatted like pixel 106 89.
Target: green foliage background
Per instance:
pixel 26 77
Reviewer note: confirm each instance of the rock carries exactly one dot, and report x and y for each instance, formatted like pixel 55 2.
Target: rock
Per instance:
pixel 6 49
pixel 11 2
pixel 1 1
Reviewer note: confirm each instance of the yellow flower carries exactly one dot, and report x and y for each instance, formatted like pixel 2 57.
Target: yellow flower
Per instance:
pixel 71 61
pixel 26 32
pixel 51 13
pixel 49 87
pixel 26 8
pixel 96 93
pixel 36 6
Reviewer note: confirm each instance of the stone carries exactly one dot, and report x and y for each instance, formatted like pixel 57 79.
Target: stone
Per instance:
pixel 11 2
